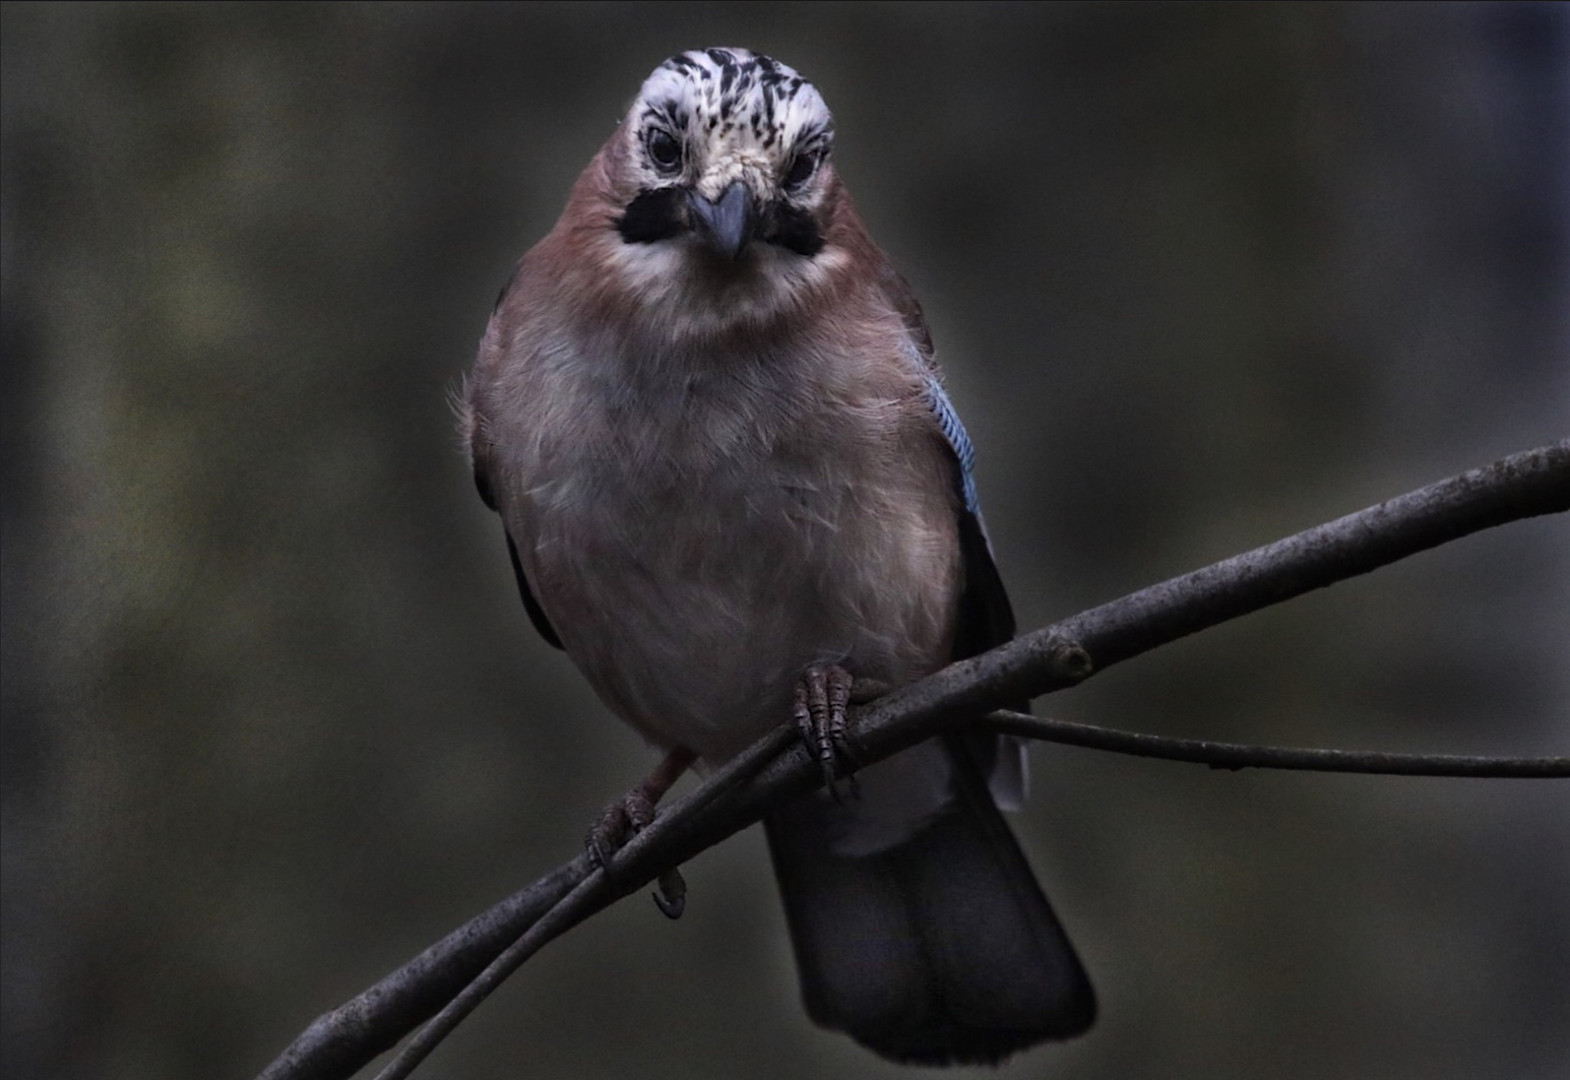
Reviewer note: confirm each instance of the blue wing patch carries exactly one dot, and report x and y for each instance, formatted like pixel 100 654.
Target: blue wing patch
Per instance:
pixel 986 618
pixel 954 431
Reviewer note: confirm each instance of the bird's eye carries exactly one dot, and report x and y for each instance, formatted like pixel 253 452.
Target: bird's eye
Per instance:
pixel 664 151
pixel 802 168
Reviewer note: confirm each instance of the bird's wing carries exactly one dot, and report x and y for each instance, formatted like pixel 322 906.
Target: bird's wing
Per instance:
pixel 479 454
pixel 901 947
pixel 986 618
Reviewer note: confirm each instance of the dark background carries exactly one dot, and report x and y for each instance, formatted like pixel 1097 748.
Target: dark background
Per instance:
pixel 1201 276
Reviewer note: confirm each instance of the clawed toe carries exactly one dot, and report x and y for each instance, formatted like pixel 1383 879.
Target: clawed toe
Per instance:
pixel 623 818
pixel 671 896
pixel 819 712
pixel 631 814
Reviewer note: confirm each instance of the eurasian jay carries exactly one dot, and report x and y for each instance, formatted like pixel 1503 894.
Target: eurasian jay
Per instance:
pixel 707 411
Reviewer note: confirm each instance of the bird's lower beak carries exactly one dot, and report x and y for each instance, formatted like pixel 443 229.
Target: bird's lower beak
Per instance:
pixel 727 223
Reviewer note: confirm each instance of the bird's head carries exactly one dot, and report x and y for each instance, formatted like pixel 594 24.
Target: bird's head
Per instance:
pixel 726 151
pixel 713 208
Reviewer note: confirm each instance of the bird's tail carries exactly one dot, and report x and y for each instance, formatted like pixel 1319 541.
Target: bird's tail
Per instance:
pixel 941 949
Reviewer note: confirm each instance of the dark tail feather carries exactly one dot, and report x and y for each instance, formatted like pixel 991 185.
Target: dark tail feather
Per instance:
pixel 941 950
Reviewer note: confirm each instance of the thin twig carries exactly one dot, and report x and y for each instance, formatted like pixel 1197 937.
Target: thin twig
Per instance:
pixel 584 900
pixel 565 914
pixel 1221 755
pixel 1520 486
pixel 581 901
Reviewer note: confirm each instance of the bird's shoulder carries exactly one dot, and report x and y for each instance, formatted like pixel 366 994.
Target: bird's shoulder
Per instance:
pixel 936 408
pixel 896 291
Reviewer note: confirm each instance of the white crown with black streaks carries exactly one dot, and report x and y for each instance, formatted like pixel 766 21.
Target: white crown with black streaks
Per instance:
pixel 712 116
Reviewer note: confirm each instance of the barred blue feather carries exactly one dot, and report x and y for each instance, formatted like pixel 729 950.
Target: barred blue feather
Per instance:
pixel 959 441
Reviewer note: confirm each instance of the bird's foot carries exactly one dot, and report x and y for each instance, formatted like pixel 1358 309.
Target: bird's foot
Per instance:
pixel 819 711
pixel 630 815
pixel 620 821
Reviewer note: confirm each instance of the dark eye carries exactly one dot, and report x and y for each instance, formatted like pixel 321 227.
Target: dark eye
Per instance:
pixel 802 168
pixel 664 151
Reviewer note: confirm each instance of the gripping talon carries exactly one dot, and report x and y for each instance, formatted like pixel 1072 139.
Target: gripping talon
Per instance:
pixel 671 896
pixel 839 689
pixel 806 716
pixel 608 834
pixel 822 696
pixel 631 814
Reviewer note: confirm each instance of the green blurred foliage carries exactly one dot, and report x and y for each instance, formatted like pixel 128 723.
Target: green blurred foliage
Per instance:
pixel 1201 276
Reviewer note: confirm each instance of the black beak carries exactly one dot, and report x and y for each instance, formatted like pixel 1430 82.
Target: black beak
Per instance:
pixel 727 224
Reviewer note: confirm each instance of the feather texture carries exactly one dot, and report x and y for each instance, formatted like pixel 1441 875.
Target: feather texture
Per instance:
pixel 707 411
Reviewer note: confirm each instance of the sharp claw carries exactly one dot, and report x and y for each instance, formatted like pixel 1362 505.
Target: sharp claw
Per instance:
pixel 606 835
pixel 630 815
pixel 671 897
pixel 819 710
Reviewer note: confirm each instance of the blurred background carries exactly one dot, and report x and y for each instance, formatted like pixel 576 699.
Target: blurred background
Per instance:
pixel 1202 276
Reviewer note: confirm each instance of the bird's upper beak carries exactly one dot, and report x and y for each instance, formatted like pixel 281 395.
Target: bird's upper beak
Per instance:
pixel 727 223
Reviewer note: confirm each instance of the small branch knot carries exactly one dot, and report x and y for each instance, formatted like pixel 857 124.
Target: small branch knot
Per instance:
pixel 1069 659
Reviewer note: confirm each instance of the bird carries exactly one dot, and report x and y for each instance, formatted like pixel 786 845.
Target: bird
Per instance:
pixel 734 490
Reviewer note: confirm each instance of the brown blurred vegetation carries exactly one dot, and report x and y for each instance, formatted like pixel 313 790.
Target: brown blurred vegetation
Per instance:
pixel 1201 276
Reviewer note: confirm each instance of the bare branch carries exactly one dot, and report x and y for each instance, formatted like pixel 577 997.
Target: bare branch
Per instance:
pixel 778 768
pixel 1233 756
pixel 587 897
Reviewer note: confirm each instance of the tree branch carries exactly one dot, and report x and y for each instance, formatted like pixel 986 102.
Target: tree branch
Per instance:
pixel 1233 756
pixel 778 768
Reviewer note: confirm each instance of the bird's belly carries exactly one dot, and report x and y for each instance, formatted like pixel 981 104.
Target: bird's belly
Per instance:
pixel 694 612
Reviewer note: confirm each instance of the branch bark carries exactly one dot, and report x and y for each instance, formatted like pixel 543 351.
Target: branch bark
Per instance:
pixel 777 768
pixel 1234 756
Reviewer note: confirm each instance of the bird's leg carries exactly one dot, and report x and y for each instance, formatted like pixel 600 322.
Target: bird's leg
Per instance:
pixel 631 814
pixel 819 712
